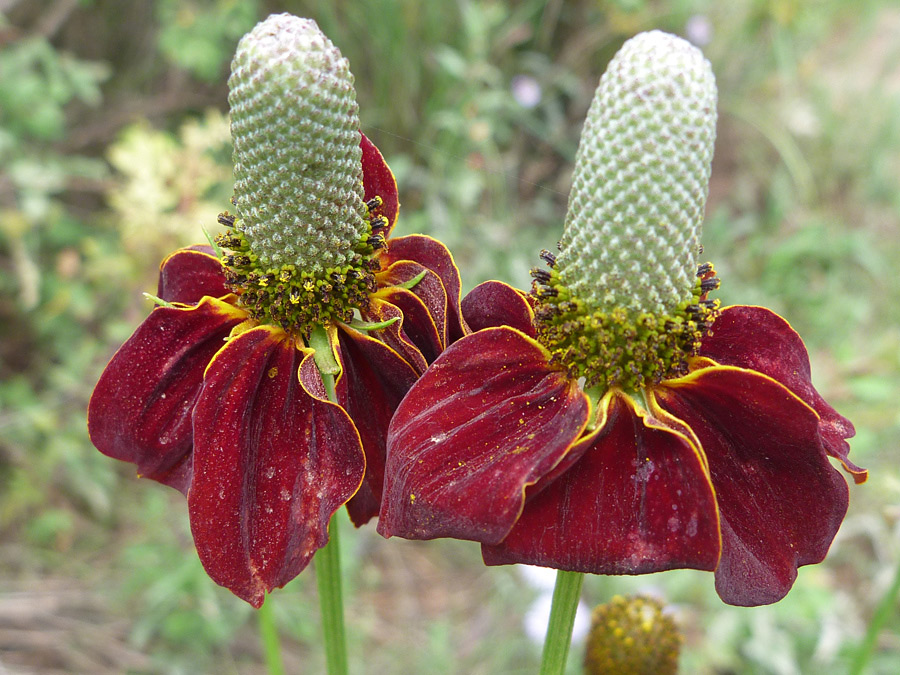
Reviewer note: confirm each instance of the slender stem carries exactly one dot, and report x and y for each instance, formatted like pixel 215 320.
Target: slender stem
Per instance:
pixel 328 578
pixel 882 614
pixel 562 618
pixel 268 635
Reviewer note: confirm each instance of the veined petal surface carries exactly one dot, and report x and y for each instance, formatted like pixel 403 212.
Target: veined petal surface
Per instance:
pixel 140 410
pixel 395 335
pixel 637 500
pixel 489 418
pixel 435 256
pixel 190 273
pixel 429 290
pixel 494 303
pixel 273 461
pixel 758 339
pixel 373 382
pixel 780 500
pixel 419 325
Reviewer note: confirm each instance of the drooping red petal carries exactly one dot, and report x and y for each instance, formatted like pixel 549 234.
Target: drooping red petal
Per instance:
pixel 273 460
pixel 758 339
pixel 637 501
pixel 190 273
pixel 374 381
pixel 394 335
pixel 428 289
pixel 488 418
pixel 417 325
pixel 379 180
pixel 435 256
pixel 494 303
pixel 780 500
pixel 140 411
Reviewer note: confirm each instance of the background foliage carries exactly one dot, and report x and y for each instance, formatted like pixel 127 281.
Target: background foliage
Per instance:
pixel 115 150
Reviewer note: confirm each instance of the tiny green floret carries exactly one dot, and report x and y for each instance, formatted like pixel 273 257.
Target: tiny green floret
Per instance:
pixel 299 300
pixel 618 348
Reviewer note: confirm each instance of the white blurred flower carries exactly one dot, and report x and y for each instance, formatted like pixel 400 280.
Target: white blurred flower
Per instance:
pixel 526 90
pixel 698 30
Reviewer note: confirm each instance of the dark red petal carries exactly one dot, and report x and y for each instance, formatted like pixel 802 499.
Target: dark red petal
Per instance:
pixel 272 462
pixel 428 289
pixel 780 500
pixel 418 324
pixel 489 418
pixel 435 256
pixel 637 501
pixel 494 303
pixel 379 180
pixel 374 381
pixel 189 274
pixel 758 339
pixel 140 410
pixel 394 336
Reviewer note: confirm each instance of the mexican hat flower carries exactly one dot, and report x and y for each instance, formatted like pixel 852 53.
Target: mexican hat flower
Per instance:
pixel 263 383
pixel 616 420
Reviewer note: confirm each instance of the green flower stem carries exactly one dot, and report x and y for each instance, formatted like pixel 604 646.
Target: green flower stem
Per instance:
pixel 268 635
pixel 562 618
pixel 328 578
pixel 882 614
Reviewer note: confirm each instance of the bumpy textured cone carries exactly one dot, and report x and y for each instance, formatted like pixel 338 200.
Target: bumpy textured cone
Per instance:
pixel 297 161
pixel 632 636
pixel 641 179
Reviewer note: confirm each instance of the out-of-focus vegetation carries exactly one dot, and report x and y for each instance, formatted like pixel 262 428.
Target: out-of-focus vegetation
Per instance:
pixel 114 150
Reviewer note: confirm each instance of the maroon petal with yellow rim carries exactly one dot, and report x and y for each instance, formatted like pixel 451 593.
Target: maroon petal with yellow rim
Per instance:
pixel 418 323
pixel 428 289
pixel 374 381
pixel 394 336
pixel 637 501
pixel 140 411
pixel 780 500
pixel 435 256
pixel 758 339
pixel 378 180
pixel 494 303
pixel 489 418
pixel 273 461
pixel 190 273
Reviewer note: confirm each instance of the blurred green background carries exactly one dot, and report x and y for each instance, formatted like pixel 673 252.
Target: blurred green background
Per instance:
pixel 114 150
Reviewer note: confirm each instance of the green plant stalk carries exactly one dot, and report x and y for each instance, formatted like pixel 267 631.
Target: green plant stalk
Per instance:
pixel 268 635
pixel 328 579
pixel 882 614
pixel 562 617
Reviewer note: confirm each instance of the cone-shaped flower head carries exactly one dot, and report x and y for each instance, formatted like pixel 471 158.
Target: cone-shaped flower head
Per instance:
pixel 632 636
pixel 641 177
pixel 625 303
pixel 294 122
pixel 303 238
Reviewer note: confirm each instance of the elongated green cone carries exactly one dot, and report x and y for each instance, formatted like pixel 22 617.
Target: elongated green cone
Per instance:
pixel 641 178
pixel 297 161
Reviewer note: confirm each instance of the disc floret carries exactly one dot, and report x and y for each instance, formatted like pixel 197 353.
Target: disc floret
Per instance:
pixel 297 299
pixel 625 303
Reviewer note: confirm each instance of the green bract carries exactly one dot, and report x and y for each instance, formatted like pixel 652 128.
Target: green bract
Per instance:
pixel 639 190
pixel 297 161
